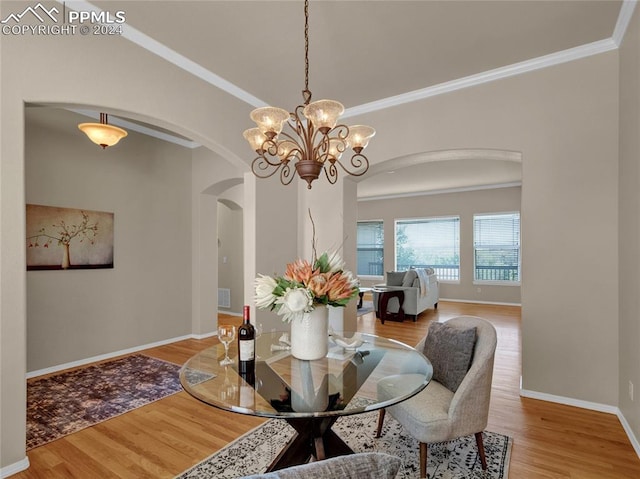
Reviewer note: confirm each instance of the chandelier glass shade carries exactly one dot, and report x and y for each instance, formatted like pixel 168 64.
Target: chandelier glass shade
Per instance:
pixel 313 140
pixel 102 133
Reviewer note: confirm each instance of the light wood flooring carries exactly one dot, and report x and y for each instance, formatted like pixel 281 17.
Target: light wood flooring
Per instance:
pixel 164 438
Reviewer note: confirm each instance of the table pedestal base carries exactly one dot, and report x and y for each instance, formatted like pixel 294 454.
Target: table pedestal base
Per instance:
pixel 315 439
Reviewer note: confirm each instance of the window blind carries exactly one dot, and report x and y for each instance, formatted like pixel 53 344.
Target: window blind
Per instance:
pixel 370 246
pixel 496 242
pixel 429 243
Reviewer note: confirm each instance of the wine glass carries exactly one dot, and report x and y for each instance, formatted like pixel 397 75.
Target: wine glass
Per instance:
pixel 226 334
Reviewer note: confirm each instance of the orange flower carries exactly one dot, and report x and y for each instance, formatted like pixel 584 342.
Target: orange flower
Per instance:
pixel 300 270
pixel 339 287
pixel 319 284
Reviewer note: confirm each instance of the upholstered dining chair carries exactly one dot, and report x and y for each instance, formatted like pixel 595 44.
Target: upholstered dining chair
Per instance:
pixel 456 401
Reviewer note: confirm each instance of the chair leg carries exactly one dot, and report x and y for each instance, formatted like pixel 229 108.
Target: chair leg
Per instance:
pixel 423 460
pixel 480 443
pixel 380 421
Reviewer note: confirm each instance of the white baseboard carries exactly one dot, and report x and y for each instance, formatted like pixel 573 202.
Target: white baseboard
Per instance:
pixel 102 357
pixel 627 428
pixel 593 406
pixel 204 336
pixel 14 468
pixel 135 349
pixel 478 302
pixel 606 408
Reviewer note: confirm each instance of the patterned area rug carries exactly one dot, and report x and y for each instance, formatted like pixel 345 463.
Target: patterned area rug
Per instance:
pixel 68 402
pixel 253 452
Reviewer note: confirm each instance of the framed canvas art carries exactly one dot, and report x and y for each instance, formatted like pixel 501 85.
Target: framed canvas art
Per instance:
pixel 67 238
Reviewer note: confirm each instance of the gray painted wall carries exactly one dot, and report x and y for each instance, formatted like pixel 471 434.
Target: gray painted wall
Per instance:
pixel 230 260
pixel 629 197
pixel 77 314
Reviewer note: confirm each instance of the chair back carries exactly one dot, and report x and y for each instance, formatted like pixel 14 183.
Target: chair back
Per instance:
pixel 469 409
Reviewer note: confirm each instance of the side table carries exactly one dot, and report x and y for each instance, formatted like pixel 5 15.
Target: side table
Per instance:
pixel 384 295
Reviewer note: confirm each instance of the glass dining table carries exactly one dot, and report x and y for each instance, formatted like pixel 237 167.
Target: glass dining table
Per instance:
pixel 309 395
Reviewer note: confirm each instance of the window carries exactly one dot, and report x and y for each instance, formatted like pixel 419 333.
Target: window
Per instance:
pixel 370 248
pixel 496 246
pixel 429 243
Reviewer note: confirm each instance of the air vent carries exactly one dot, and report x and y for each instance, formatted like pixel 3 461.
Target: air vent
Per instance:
pixel 224 298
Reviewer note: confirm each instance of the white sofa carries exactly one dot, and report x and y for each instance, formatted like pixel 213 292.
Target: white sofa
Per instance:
pixel 421 291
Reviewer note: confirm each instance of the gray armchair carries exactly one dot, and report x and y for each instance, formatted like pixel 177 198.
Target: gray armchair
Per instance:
pixel 438 414
pixel 419 295
pixel 355 466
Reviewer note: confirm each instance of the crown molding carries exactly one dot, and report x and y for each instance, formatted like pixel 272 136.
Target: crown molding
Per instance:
pixel 538 63
pixel 595 48
pixel 145 41
pixel 463 189
pixel 626 12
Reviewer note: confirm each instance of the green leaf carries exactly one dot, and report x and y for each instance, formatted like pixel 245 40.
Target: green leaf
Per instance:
pixel 322 263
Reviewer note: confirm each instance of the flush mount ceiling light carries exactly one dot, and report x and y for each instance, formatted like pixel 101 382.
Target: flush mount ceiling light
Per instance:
pixel 315 143
pixel 102 133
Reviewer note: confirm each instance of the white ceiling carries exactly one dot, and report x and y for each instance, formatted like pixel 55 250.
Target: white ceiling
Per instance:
pixel 367 51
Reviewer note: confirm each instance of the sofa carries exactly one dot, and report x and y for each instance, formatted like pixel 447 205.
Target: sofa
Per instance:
pixel 420 287
pixel 356 466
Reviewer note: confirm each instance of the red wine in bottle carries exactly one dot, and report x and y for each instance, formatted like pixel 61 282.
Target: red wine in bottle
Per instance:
pixel 246 346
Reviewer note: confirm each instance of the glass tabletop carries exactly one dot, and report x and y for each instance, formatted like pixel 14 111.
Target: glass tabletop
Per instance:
pixel 344 382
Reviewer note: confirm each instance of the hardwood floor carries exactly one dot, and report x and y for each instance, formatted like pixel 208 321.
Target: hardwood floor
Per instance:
pixel 164 438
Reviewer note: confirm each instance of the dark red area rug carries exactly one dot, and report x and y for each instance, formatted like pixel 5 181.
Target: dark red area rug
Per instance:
pixel 68 402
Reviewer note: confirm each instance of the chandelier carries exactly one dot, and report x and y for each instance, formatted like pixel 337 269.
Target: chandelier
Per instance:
pixel 315 141
pixel 102 133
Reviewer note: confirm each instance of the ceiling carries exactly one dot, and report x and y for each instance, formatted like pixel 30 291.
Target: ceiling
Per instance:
pixel 367 51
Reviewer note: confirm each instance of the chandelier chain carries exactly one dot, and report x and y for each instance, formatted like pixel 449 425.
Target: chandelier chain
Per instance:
pixel 306 94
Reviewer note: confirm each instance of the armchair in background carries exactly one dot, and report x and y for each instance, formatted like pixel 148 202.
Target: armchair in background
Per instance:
pixel 420 287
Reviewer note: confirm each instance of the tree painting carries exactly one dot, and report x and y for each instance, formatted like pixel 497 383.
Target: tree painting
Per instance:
pixel 64 238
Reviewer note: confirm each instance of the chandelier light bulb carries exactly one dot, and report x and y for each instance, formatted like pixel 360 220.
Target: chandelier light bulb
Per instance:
pixel 255 138
pixel 336 148
pixel 270 120
pixel 323 114
pixel 359 136
pixel 285 148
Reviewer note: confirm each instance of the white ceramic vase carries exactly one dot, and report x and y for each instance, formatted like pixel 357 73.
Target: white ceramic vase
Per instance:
pixel 310 335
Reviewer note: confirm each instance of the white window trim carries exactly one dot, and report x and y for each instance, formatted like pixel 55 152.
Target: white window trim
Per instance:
pixel 490 282
pixel 497 283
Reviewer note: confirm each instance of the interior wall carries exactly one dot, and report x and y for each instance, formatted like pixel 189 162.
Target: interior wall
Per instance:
pixel 77 314
pixel 230 259
pixel 271 238
pixel 32 73
pixel 212 178
pixel 333 208
pixel 564 122
pixel 462 204
pixel 629 198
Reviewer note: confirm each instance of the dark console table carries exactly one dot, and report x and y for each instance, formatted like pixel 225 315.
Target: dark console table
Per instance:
pixel 384 295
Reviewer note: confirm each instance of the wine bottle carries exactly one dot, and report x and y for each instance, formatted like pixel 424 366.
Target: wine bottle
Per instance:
pixel 246 346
